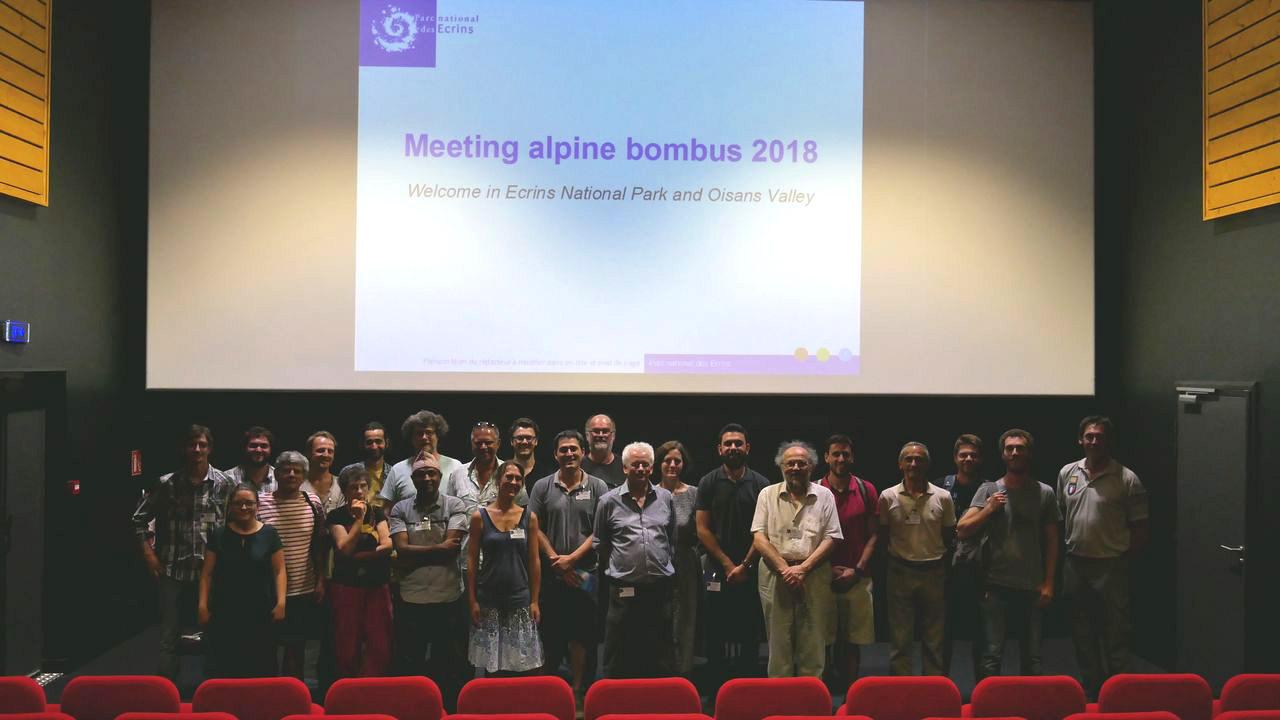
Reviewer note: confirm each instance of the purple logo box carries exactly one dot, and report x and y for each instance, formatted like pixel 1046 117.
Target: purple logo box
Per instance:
pixel 398 33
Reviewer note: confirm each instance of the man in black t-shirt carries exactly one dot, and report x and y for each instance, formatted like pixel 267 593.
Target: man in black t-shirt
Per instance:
pixel 726 505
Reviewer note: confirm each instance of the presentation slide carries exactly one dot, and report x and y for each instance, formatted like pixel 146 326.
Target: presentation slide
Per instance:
pixel 835 197
pixel 647 169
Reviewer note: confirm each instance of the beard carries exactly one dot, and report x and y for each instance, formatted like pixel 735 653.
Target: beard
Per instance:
pixel 734 460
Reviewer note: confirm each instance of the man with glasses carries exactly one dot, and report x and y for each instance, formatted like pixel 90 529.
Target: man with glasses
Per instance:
pixel 476 482
pixel 600 460
pixel 255 469
pixel 524 444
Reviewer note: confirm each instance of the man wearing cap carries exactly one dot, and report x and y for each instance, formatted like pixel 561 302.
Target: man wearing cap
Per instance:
pixel 427 532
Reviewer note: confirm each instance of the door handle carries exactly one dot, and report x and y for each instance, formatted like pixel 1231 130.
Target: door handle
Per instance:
pixel 1228 548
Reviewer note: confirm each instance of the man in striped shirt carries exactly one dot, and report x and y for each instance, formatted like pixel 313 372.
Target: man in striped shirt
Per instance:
pixel 299 518
pixel 185 506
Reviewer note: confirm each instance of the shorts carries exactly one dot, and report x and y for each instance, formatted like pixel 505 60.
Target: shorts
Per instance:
pixel 302 618
pixel 855 615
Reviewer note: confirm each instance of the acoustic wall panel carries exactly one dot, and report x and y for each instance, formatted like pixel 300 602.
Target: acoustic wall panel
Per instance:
pixel 24 99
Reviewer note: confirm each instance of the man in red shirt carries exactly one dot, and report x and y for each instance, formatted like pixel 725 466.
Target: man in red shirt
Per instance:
pixel 856 505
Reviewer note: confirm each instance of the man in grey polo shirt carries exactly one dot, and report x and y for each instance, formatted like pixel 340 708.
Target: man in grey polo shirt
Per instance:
pixel 1105 509
pixel 565 503
pixel 917 520
pixel 1019 517
pixel 635 535
pixel 427 531
pixel 795 528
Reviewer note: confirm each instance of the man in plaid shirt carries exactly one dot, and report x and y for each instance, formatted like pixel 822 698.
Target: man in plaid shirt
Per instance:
pixel 185 506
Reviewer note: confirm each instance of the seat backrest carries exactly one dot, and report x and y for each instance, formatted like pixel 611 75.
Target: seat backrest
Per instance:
pixel 103 697
pixel 651 716
pixel 1052 697
pixel 817 717
pixel 21 694
pixel 503 696
pixel 342 716
pixel 403 698
pixel 641 696
pixel 1152 715
pixel 253 698
pixel 1248 715
pixel 175 716
pixel 1253 691
pixel 903 698
pixel 502 716
pixel 43 715
pixel 1183 694
pixel 758 698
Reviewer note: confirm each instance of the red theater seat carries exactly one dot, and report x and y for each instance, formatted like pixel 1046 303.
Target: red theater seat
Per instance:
pixel 21 694
pixel 758 698
pixel 255 698
pixel 1051 697
pixel 519 695
pixel 902 698
pixel 1250 692
pixel 103 697
pixel 642 696
pixel 403 698
pixel 502 716
pixel 36 716
pixel 816 717
pixel 1183 694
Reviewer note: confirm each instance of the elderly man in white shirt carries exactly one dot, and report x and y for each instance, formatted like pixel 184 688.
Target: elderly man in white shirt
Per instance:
pixel 795 528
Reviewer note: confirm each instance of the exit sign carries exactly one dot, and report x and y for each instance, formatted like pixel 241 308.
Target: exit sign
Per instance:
pixel 17 331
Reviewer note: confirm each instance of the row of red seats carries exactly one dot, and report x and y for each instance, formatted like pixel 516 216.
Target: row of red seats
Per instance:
pixel 1187 697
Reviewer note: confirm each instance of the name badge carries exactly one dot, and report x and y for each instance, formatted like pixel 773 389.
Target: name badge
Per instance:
pixel 713 586
pixel 517 534
pixel 624 592
pixel 913 517
pixel 423 524
pixel 208 518
pixel 792 533
pixel 583 494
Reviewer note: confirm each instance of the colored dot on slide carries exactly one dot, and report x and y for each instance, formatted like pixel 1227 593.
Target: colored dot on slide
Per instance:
pixel 823 354
pixel 802 354
pixel 846 354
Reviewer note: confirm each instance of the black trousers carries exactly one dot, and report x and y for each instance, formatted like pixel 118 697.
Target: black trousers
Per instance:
pixel 637 635
pixel 442 627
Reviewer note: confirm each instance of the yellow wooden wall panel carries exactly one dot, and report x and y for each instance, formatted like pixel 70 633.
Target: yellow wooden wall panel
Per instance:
pixel 22 26
pixel 1214 9
pixel 34 9
pixel 1243 165
pixel 1243 140
pixel 23 53
pixel 1240 19
pixel 20 175
pixel 1240 108
pixel 21 151
pixel 20 101
pixel 25 43
pixel 1242 67
pixel 1241 92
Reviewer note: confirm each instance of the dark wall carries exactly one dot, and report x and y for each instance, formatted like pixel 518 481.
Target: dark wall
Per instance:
pixel 1197 300
pixel 66 270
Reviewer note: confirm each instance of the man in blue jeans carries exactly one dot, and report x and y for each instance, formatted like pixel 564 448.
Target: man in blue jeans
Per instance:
pixel 1019 517
pixel 184 507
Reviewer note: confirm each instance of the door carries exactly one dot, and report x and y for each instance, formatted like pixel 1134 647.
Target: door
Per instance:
pixel 1215 484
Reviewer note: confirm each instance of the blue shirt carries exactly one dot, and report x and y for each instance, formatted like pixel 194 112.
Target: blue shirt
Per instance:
pixel 637 544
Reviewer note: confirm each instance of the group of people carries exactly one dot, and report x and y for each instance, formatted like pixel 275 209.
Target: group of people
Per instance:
pixel 437 567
